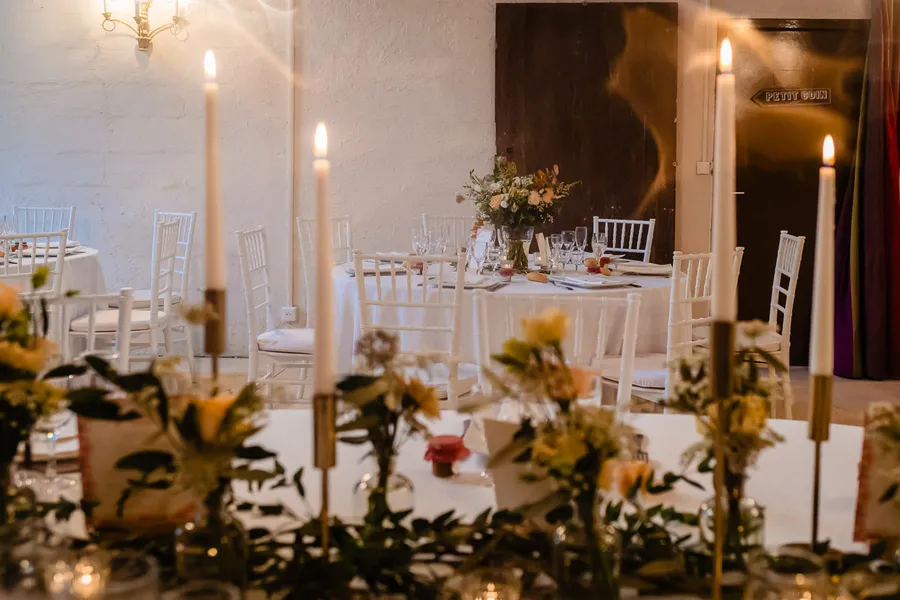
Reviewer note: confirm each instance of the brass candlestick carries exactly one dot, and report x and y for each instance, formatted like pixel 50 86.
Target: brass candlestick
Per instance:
pixel 819 426
pixel 214 332
pixel 325 451
pixel 722 357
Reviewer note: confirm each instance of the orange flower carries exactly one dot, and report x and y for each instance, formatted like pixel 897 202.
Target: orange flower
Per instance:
pixel 630 472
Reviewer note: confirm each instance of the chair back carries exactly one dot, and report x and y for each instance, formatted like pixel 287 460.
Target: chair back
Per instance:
pixel 254 257
pixel 23 253
pixel 601 326
pixel 425 313
pixel 627 236
pixel 184 247
pixel 162 271
pixel 341 247
pixel 784 285
pixel 689 303
pixel 44 219
pixel 458 229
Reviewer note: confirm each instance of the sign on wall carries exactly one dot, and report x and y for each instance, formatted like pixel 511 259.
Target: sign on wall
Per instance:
pixel 792 97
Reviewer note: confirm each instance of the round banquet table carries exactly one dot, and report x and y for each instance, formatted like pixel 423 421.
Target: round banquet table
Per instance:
pixel 82 273
pixel 781 482
pixel 652 327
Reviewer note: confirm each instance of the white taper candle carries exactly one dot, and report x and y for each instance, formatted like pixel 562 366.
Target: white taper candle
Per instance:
pixel 724 238
pixel 324 369
pixel 215 249
pixel 821 358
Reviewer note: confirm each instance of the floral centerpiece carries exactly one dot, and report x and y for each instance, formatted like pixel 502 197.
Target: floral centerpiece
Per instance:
pixel 746 430
pixel 26 396
pixel 584 451
pixel 516 203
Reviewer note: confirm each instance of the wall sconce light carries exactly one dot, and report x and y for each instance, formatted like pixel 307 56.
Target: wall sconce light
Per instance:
pixel 142 28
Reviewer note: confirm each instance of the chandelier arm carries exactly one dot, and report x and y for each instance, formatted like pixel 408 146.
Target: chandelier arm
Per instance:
pixel 119 21
pixel 160 29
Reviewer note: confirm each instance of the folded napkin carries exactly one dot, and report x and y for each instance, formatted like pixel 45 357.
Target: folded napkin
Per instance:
pixel 639 268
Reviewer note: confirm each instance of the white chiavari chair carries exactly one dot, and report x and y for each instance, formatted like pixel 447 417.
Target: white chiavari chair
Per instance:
pixel 424 312
pixel 150 324
pixel 279 349
pixel 781 308
pixel 626 236
pixel 90 305
pixel 603 331
pixel 459 229
pixel 341 246
pixel 688 324
pixel 44 219
pixel 23 254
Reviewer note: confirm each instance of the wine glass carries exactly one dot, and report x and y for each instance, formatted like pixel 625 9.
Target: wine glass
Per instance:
pixel 598 243
pixel 438 239
pixel 568 243
pixel 493 257
pixel 420 242
pixel 580 243
pixel 48 485
pixel 478 254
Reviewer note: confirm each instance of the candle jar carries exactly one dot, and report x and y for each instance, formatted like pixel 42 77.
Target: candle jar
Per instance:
pixel 491 584
pixel 212 545
pixel 443 451
pixel 506 271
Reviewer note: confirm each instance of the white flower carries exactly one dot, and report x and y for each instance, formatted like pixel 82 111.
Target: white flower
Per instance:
pixel 504 204
pixel 476 188
pixel 495 187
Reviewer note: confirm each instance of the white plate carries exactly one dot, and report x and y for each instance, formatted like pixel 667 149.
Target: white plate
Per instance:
pixel 69 244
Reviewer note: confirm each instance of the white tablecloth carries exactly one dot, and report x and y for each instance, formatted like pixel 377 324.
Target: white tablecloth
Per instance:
pixel 652 329
pixel 82 273
pixel 782 481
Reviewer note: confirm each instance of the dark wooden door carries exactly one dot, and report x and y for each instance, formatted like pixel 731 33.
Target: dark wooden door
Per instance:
pixel 592 88
pixel 779 145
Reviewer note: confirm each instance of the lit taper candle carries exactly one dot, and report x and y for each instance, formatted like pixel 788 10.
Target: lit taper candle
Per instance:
pixel 215 252
pixel 821 360
pixel 324 369
pixel 724 238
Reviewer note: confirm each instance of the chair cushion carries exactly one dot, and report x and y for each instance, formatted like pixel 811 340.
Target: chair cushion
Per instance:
pixel 769 341
pixel 649 371
pixel 107 321
pixel 289 341
pixel 142 300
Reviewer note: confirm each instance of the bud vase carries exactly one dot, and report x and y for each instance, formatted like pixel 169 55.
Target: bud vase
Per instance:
pixel 518 246
pixel 585 567
pixel 744 523
pixel 396 493
pixel 213 545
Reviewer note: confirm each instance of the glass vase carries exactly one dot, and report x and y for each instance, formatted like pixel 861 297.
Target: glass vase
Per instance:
pixel 746 534
pixel 212 545
pixel 399 496
pixel 518 245
pixel 584 568
pixel 788 572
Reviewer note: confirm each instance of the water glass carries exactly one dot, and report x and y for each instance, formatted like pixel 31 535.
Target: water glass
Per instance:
pixel 599 244
pixel 580 242
pixel 49 484
pixel 493 257
pixel 204 590
pixel 420 242
pixel 556 241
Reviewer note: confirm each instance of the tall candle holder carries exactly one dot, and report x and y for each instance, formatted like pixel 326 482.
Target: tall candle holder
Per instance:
pixel 721 360
pixel 819 425
pixel 325 452
pixel 214 332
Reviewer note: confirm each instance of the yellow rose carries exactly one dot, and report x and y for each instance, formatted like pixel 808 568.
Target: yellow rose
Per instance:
pixel 751 415
pixel 547 196
pixel 30 359
pixel 495 201
pixel 534 198
pixel 546 328
pixel 9 301
pixel 629 473
pixel 425 397
pixel 210 412
pixel 583 381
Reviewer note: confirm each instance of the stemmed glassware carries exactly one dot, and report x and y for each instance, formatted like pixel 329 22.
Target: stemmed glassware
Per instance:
pixel 420 242
pixel 580 243
pixel 599 244
pixel 478 252
pixel 48 485
pixel 439 238
pixel 568 244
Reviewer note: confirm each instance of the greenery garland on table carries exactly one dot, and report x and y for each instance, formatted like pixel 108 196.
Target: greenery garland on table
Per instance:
pixel 582 451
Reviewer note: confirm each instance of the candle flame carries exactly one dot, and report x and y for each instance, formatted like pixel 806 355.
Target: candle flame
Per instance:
pixel 209 66
pixel 725 56
pixel 828 151
pixel 321 141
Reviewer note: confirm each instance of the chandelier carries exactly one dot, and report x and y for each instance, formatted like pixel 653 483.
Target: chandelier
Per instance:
pixel 142 29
